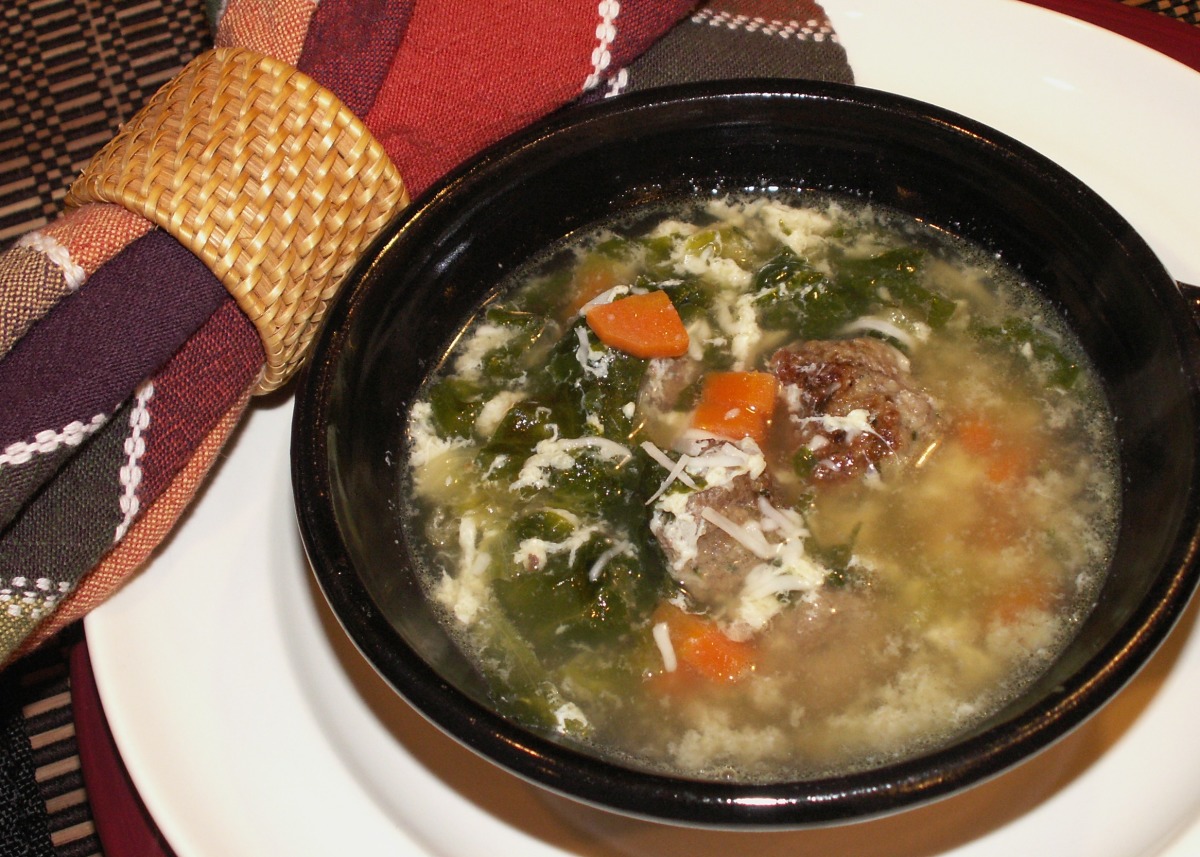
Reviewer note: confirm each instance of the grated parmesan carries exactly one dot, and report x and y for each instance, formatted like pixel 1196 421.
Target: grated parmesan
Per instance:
pixel 662 639
pixel 854 424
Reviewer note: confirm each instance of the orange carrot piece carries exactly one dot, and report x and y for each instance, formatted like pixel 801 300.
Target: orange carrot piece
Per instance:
pixel 1009 462
pixel 645 325
pixel 1019 598
pixel 977 435
pixel 736 405
pixel 594 276
pixel 701 648
pixel 1003 458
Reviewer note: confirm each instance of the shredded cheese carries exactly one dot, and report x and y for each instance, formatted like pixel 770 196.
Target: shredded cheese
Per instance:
pixel 675 470
pixel 788 521
pixel 748 535
pixel 855 423
pixel 662 639
pixel 883 326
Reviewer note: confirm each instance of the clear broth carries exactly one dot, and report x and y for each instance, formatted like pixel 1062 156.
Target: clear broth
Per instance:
pixel 922 594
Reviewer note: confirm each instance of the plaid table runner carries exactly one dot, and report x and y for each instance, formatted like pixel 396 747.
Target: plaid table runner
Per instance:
pixel 148 429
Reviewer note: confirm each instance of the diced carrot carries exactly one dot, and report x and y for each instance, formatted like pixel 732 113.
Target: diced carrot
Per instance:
pixel 644 325
pixel 976 435
pixel 702 649
pixel 594 276
pixel 1020 597
pixel 736 404
pixel 679 683
pixel 1010 461
pixel 1003 458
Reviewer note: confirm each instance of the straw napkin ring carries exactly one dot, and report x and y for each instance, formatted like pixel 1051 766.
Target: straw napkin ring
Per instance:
pixel 263 174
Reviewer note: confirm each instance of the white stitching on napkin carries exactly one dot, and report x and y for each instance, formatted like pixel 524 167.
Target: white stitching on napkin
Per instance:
pixel 49 440
pixel 60 256
pixel 135 448
pixel 606 33
pixel 617 83
pixel 812 29
pixel 33 598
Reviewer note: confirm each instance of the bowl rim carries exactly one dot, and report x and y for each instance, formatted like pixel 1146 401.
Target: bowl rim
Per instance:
pixel 828 800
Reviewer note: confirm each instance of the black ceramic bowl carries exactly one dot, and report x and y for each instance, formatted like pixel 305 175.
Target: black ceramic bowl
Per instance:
pixel 452 247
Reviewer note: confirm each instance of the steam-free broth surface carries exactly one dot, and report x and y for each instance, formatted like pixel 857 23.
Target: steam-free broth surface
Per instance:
pixel 762 489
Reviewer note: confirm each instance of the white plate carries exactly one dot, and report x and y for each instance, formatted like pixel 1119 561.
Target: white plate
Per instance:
pixel 251 726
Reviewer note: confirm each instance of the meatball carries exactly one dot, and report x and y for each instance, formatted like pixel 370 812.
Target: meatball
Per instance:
pixel 852 404
pixel 709 563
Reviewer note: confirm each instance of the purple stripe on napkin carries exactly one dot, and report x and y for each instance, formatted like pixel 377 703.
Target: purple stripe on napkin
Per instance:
pixel 350 45
pixel 124 323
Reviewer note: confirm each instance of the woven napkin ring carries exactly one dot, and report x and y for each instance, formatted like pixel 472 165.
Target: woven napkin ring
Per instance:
pixel 264 175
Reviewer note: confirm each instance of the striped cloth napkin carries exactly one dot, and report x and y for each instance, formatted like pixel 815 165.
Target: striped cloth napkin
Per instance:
pixel 125 365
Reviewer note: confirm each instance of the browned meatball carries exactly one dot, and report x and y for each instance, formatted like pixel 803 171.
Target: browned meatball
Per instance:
pixel 710 563
pixel 852 403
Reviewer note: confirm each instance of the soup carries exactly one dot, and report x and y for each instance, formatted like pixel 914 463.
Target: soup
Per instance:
pixel 762 488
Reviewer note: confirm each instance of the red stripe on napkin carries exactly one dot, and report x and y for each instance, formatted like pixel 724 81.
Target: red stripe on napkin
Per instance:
pixel 466 76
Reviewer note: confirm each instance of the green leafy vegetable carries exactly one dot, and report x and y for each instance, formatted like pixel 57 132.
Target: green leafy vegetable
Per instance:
pixel 838 559
pixel 1020 338
pixel 785 285
pixel 455 403
pixel 561 606
pixel 507 361
pixel 893 277
pixel 601 394
pixel 525 424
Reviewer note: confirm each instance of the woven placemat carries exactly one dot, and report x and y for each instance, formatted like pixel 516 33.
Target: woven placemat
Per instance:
pixel 71 71
pixel 1187 11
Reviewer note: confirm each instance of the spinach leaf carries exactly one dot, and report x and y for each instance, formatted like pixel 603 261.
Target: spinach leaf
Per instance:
pixel 784 286
pixel 656 256
pixel 517 681
pixel 837 558
pixel 601 393
pixel 725 242
pixel 892 278
pixel 525 424
pixel 1020 338
pixel 692 298
pixel 560 608
pixel 506 361
pixel 455 404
